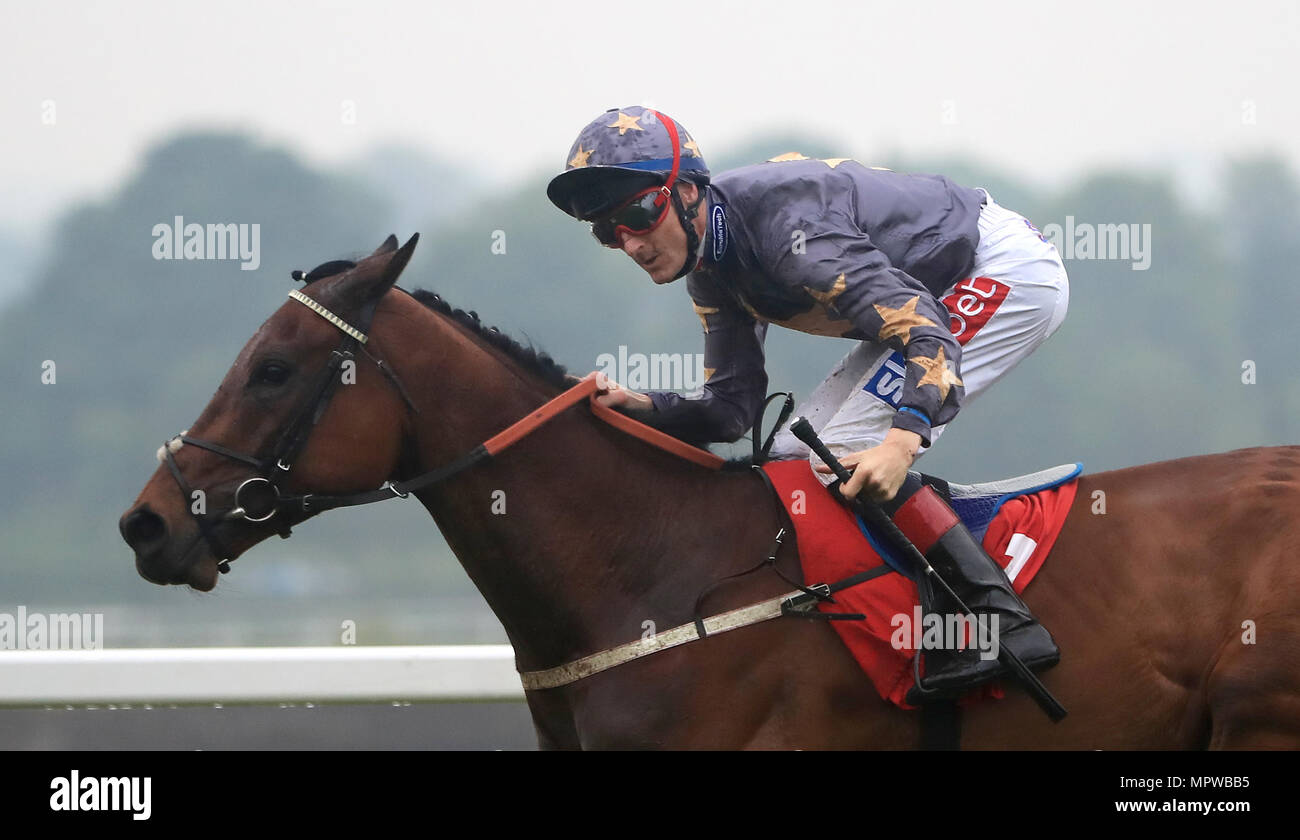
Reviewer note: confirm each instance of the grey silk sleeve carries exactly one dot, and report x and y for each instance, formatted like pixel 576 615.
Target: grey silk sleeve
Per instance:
pixel 842 269
pixel 735 378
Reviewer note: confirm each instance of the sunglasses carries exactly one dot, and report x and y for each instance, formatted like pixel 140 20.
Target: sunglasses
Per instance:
pixel 641 214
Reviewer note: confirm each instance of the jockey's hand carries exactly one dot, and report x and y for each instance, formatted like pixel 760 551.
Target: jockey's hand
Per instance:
pixel 879 472
pixel 609 393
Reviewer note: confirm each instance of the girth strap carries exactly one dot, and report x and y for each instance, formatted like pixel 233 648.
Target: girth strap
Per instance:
pixel 679 635
pixel 799 603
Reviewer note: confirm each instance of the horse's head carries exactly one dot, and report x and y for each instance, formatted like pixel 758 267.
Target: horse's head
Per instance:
pixel 305 405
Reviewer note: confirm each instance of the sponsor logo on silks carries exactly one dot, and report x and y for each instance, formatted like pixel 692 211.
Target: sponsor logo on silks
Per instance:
pixel 972 304
pixel 718 222
pixel 886 384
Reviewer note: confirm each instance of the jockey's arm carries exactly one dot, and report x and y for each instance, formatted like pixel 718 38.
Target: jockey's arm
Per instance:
pixel 735 378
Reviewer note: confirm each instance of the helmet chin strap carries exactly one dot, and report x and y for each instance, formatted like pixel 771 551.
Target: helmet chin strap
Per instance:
pixel 686 215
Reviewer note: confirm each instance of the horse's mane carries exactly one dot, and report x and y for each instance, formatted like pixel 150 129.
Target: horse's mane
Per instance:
pixel 530 358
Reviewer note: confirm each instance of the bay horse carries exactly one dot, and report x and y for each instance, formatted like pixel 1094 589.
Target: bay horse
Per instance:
pixel 1177 609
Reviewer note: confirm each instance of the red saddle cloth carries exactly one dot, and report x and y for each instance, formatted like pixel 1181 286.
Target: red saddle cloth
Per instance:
pixel 832 547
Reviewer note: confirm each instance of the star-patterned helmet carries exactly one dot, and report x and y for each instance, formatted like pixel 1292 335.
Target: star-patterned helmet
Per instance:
pixel 620 153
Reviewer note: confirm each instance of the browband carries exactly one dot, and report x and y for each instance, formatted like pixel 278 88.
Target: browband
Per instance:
pixel 328 316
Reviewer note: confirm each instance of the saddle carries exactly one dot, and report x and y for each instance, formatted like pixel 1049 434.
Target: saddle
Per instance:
pixel 977 505
pixel 1017 520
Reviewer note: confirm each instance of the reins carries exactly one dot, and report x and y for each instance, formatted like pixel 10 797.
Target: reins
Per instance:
pixel 259 498
pixel 799 602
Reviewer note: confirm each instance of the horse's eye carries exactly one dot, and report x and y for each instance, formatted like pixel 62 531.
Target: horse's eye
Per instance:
pixel 271 373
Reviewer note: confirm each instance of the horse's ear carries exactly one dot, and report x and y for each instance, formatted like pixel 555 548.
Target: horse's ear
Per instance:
pixel 389 246
pixel 400 258
pixel 372 278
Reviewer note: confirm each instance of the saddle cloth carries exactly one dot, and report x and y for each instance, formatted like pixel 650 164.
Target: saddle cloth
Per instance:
pixel 1018 520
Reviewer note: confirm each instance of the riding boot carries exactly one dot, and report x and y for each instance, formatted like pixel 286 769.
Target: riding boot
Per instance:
pixel 927 520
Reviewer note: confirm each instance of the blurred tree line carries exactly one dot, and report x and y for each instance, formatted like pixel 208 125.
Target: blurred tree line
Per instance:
pixel 1148 365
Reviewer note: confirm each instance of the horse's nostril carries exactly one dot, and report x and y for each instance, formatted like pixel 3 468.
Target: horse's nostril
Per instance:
pixel 142 527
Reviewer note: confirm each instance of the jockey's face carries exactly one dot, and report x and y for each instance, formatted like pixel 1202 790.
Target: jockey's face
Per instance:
pixel 662 251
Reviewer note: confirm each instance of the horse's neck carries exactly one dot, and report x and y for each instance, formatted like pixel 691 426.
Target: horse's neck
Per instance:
pixel 576 535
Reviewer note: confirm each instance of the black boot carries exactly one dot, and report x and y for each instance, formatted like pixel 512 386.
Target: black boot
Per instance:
pixel 984 586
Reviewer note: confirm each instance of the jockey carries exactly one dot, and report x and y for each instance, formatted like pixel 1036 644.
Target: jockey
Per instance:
pixel 944 290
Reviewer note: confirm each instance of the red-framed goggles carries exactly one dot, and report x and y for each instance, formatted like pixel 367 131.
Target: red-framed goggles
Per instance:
pixel 646 210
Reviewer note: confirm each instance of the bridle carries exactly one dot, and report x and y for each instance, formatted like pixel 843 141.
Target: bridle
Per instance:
pixel 259 498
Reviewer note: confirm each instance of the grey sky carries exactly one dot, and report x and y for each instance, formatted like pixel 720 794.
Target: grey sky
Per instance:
pixel 1041 89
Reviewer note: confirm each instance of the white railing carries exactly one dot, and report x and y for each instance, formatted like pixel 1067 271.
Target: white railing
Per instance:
pixel 258 675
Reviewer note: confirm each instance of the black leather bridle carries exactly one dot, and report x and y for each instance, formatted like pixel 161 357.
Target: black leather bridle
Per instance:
pixel 259 498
